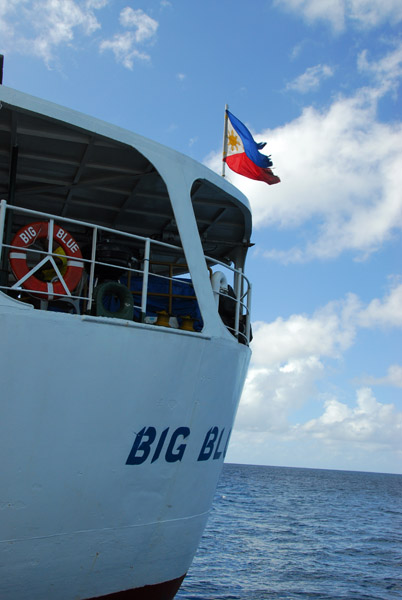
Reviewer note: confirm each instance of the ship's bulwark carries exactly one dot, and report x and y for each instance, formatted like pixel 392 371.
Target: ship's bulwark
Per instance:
pixel 80 520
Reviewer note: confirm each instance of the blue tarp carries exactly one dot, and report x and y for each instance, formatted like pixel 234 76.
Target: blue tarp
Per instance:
pixel 181 307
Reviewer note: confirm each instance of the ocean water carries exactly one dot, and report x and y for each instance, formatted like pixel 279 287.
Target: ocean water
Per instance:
pixel 283 533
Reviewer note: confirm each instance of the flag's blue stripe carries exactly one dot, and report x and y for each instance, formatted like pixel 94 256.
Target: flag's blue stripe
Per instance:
pixel 250 146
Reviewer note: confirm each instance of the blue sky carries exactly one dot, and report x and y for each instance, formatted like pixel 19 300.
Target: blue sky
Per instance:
pixel 320 82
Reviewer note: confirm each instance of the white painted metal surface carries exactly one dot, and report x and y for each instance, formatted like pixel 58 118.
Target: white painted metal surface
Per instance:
pixel 77 521
pixel 112 432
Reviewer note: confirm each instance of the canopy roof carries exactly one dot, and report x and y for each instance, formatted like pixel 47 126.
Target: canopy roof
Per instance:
pixel 81 168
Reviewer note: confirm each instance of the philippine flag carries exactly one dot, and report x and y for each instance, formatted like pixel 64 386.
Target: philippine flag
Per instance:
pixel 242 153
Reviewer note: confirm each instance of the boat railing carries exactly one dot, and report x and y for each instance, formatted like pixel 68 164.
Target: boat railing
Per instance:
pixel 129 286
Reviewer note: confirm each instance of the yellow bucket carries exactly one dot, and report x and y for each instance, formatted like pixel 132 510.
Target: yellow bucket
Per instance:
pixel 163 319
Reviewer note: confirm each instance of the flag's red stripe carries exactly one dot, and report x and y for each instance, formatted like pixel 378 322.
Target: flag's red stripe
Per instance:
pixel 241 164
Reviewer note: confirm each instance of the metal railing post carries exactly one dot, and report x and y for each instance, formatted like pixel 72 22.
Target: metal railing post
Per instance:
pixel 50 236
pixel 238 300
pixel 3 206
pixel 248 320
pixel 92 268
pixel 144 294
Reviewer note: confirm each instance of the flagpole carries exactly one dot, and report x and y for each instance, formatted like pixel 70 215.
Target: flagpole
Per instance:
pixel 225 140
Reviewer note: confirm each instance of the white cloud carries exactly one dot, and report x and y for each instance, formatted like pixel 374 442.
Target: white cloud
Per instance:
pixel 145 27
pixel 124 45
pixel 362 435
pixel 392 378
pixel 313 10
pixel 387 71
pixel 327 333
pixel 96 3
pixel 9 9
pixel 310 79
pixel 384 313
pixel 368 422
pixel 364 13
pixel 342 167
pixel 371 13
pixel 340 177
pixel 290 356
pixel 41 26
pixel 271 394
pixel 287 361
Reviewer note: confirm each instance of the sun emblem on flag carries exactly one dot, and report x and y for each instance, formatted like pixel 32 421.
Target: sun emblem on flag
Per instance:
pixel 233 140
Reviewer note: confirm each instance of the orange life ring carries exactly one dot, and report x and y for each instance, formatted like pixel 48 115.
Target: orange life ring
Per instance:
pixel 24 238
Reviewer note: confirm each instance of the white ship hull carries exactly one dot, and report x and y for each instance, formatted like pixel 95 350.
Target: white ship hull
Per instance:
pixel 79 521
pixel 125 330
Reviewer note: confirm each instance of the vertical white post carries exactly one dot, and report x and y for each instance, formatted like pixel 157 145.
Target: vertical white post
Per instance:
pixel 145 279
pixel 50 236
pixel 248 324
pixel 92 268
pixel 239 276
pixel 225 141
pixel 3 206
